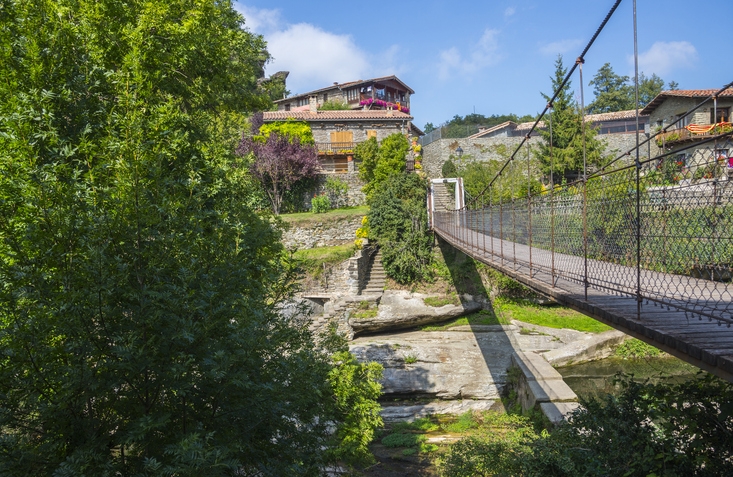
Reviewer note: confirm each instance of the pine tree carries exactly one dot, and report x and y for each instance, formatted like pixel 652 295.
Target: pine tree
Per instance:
pixel 565 158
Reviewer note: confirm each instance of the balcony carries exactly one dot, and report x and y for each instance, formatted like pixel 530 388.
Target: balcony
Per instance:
pixel 691 133
pixel 342 148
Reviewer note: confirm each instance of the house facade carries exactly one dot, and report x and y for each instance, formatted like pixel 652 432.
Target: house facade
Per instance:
pixel 337 133
pixel 384 93
pixel 690 138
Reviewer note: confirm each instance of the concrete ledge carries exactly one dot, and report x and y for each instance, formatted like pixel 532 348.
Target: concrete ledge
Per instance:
pixel 558 412
pixel 540 384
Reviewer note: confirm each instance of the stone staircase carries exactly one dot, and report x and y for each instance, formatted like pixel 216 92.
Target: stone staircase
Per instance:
pixel 376 278
pixel 443 198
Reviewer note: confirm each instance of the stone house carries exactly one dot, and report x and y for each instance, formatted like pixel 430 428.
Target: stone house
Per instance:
pixel 337 133
pixel 688 139
pixel 387 92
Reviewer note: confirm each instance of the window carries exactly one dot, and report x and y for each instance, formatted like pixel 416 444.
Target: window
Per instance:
pixel 352 94
pixel 681 121
pixel 287 107
pixel 325 97
pixel 303 101
pixel 371 133
pixel 722 115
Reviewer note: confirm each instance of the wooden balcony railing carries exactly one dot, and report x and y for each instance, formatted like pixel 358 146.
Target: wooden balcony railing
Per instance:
pixel 336 147
pixel 691 133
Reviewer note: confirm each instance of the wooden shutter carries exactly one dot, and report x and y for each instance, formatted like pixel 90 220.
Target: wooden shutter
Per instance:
pixel 342 136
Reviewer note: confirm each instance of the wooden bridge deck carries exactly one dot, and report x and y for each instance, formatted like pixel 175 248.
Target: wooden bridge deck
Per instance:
pixel 611 297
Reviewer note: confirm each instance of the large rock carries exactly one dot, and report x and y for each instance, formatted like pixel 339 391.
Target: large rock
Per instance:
pixel 400 309
pixel 441 364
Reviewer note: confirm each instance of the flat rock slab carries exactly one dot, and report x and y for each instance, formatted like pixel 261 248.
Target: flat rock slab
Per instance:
pixel 449 365
pixel 400 309
pixel 592 347
pixel 415 411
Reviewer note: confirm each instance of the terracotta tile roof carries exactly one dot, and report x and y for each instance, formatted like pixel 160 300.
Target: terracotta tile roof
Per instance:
pixel 528 126
pixel 616 115
pixel 684 93
pixel 491 129
pixel 349 115
pixel 345 85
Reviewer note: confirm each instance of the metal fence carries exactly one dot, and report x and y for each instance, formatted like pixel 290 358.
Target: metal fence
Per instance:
pixel 660 230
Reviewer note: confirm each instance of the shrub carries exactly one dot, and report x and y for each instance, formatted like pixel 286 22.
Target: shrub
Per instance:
pixel 398 222
pixel 320 204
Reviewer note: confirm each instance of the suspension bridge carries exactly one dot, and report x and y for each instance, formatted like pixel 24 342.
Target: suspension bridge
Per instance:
pixel 630 244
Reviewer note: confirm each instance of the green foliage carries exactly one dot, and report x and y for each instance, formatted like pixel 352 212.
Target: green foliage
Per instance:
pixel 400 439
pixel 398 222
pixel 139 321
pixel 633 348
pixel 290 129
pixel 616 93
pixel 464 422
pixel 334 105
pixel 320 204
pixel 356 389
pixel 565 158
pixel 649 429
pixel 312 260
pixel 549 316
pixel 337 191
pixel 390 160
pixel 449 169
pixel 612 92
pixel 464 126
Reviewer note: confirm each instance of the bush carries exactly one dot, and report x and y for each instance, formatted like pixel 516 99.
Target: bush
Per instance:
pixel 398 222
pixel 320 204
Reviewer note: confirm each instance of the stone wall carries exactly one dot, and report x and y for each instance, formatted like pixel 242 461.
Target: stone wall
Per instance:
pixel 322 129
pixel 484 149
pixel 354 195
pixel 322 234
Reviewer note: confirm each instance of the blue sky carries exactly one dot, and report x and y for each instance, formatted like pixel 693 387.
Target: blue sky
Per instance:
pixel 492 57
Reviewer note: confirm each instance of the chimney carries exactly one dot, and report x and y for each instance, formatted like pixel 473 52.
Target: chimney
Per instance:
pixel 313 104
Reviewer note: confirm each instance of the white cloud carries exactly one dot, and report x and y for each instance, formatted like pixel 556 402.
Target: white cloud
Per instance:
pixel 483 54
pixel 561 47
pixel 262 21
pixel 509 12
pixel 314 57
pixel 664 57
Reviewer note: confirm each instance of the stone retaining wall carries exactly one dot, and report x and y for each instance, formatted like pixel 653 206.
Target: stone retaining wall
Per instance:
pixel 484 149
pixel 322 234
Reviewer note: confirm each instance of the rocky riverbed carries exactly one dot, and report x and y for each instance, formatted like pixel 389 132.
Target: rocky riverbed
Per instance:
pixel 465 367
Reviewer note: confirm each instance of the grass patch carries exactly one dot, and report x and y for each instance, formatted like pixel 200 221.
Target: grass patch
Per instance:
pixel 401 439
pixel 438 301
pixel 464 422
pixel 363 314
pixel 482 317
pixel 410 359
pixel 634 348
pixel 549 316
pixel 307 218
pixel 313 259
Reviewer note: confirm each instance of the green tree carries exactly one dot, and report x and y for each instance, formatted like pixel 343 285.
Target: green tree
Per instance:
pixel 649 88
pixel 429 127
pixel 335 105
pixel 388 159
pixel 565 158
pixel 399 224
pixel 139 324
pixel 291 129
pixel 611 90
